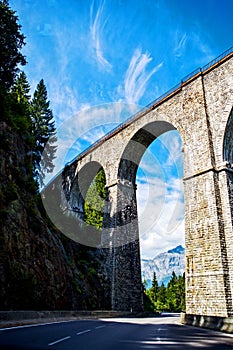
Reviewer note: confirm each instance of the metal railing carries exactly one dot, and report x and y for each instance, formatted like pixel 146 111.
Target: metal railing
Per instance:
pixel 191 75
pixel 217 59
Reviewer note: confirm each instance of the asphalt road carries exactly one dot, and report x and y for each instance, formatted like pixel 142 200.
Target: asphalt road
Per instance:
pixel 163 333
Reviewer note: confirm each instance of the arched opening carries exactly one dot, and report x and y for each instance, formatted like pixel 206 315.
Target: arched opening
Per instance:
pixel 160 201
pixel 80 187
pixel 137 146
pixel 86 201
pixel 228 157
pixel 160 192
pixel 228 140
pixel 153 162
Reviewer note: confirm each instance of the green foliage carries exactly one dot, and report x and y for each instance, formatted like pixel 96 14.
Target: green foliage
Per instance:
pixel 35 121
pixel 32 119
pixel 161 299
pixel 94 201
pixel 21 90
pixel 176 290
pixel 21 106
pixel 154 288
pixel 11 42
pixel 170 298
pixel 44 133
pixel 147 302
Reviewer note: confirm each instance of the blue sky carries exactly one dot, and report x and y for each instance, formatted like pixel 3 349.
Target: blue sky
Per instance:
pixel 103 60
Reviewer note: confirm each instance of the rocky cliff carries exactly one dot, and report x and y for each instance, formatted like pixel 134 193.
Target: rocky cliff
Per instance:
pixel 163 265
pixel 39 267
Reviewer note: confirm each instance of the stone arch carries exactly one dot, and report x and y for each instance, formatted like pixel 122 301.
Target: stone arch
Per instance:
pixel 228 140
pixel 137 146
pixel 227 200
pixel 228 158
pixel 80 186
pixel 64 200
pixel 75 184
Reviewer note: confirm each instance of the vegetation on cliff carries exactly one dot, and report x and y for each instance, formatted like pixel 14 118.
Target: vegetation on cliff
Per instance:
pixel 39 267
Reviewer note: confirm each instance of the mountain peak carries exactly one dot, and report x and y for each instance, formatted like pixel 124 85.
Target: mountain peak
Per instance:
pixel 163 265
pixel 179 249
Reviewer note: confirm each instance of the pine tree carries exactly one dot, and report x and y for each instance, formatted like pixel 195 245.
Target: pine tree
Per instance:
pixel 11 42
pixel 161 298
pixel 170 298
pixel 147 302
pixel 20 100
pixel 44 133
pixel 172 293
pixel 21 90
pixel 154 288
pixel 181 293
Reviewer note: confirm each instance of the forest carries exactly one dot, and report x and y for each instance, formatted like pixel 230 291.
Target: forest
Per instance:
pixel 161 298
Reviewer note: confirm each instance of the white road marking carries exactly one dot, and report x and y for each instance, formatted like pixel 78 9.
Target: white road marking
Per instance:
pixel 35 325
pixel 83 332
pixel 59 340
pixel 99 327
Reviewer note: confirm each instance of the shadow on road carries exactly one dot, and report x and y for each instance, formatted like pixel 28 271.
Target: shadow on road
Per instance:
pixel 114 334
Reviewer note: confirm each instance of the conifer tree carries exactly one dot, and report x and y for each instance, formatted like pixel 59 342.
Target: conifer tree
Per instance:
pixel 172 293
pixel 154 288
pixel 20 101
pixel 162 295
pixel 11 42
pixel 181 292
pixel 170 298
pixel 21 89
pixel 44 132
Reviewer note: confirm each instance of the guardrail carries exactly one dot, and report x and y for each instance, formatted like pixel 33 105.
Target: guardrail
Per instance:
pixel 151 105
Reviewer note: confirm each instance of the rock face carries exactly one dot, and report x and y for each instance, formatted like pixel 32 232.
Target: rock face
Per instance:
pixel 163 265
pixel 39 267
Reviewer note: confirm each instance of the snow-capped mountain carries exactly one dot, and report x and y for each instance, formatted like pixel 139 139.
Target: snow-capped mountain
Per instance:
pixel 163 265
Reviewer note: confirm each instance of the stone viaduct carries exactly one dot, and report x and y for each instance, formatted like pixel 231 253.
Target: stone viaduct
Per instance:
pixel 201 109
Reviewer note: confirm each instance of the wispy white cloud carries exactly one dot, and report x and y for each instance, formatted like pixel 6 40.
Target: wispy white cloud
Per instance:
pixel 137 77
pixel 80 129
pixel 156 242
pixel 202 45
pixel 64 98
pixel 160 197
pixel 94 135
pixel 96 28
pixel 161 215
pixel 174 145
pixel 180 43
pixel 45 29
